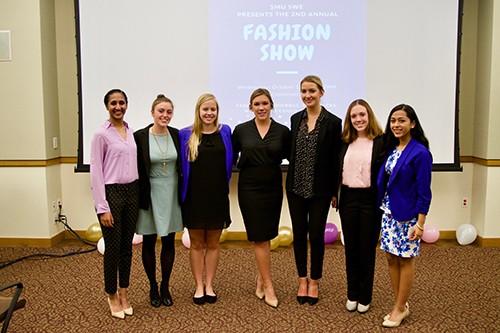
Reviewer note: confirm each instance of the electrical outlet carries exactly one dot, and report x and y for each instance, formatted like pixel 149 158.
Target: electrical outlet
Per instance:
pixel 55 211
pixel 465 202
pixel 59 203
pixel 55 142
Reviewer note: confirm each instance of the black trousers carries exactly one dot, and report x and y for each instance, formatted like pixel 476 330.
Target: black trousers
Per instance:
pixel 308 218
pixel 361 220
pixel 123 200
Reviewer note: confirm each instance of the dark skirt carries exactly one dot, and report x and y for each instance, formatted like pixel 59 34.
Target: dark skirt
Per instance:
pixel 260 195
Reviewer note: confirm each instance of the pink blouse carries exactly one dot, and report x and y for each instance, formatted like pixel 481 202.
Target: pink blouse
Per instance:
pixel 357 164
pixel 113 160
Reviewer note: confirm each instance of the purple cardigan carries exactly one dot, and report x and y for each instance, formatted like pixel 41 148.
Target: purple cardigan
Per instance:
pixel 409 186
pixel 184 134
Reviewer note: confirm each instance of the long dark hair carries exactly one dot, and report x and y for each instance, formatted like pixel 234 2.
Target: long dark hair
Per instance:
pixel 416 132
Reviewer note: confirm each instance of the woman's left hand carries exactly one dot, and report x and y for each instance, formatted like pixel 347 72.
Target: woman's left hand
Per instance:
pixel 416 233
pixel 334 202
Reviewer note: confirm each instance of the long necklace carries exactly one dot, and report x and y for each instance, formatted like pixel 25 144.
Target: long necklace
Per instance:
pixel 163 153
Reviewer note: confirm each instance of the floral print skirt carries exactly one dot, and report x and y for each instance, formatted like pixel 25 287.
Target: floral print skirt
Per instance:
pixel 394 237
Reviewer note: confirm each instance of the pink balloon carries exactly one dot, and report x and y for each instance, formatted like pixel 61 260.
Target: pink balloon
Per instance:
pixel 185 239
pixel 431 234
pixel 331 233
pixel 137 239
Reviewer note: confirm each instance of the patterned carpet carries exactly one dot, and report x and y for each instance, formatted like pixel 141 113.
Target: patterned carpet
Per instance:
pixel 457 289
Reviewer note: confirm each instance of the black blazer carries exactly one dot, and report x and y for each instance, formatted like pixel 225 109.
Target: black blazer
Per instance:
pixel 326 166
pixel 144 163
pixel 378 155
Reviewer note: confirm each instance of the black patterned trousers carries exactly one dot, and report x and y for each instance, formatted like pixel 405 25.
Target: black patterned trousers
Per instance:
pixel 123 200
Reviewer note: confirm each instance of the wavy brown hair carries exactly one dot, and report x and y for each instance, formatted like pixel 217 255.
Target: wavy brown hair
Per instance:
pixel 349 134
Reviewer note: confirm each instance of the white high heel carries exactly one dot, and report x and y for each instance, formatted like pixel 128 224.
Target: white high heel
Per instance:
pixel 117 314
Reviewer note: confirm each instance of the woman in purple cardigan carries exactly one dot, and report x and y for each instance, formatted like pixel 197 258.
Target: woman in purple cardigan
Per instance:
pixel 404 183
pixel 206 163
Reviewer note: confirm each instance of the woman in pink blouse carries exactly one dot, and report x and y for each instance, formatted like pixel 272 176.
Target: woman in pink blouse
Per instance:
pixel 361 157
pixel 114 175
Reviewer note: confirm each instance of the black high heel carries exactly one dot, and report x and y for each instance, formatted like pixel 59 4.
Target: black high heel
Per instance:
pixel 304 298
pixel 312 300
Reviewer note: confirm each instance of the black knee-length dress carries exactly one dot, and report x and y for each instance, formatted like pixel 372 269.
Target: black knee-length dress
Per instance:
pixel 260 190
pixel 207 202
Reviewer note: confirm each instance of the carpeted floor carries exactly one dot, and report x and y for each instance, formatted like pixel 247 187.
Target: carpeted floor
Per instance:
pixel 457 289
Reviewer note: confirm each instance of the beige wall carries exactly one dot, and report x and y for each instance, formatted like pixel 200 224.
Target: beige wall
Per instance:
pixel 26 194
pixel 22 133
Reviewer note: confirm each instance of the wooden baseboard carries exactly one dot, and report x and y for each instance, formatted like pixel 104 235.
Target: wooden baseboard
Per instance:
pixel 445 235
pixel 488 242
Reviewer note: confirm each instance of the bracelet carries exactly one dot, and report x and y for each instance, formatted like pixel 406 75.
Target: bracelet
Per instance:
pixel 419 226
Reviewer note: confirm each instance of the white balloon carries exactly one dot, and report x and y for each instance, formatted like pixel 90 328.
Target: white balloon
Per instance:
pixel 466 234
pixel 342 238
pixel 100 245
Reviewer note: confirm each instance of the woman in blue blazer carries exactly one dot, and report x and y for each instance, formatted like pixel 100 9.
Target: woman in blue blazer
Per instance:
pixel 404 184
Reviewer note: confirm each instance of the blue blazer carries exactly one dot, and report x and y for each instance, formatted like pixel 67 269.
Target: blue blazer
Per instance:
pixel 184 134
pixel 409 186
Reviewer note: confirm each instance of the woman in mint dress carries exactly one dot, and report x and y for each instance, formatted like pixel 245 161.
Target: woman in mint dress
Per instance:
pixel 160 213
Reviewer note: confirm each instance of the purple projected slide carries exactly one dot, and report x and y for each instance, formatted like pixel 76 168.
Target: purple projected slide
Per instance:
pixel 271 44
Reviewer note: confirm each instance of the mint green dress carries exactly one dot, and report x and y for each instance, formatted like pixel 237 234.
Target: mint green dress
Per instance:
pixel 164 214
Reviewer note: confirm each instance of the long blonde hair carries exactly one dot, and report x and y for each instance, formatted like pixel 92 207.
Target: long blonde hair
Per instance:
pixel 195 138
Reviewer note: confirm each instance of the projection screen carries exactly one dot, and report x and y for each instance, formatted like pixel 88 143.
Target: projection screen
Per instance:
pixel 385 51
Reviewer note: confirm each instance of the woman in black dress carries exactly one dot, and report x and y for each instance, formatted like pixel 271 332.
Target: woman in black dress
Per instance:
pixel 206 163
pixel 263 144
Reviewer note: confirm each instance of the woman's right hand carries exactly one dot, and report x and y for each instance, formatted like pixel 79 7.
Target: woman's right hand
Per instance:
pixel 106 219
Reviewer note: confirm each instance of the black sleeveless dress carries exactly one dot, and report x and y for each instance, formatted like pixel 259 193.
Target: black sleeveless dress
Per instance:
pixel 207 202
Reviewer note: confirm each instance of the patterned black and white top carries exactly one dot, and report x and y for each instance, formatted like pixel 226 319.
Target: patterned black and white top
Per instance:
pixel 305 157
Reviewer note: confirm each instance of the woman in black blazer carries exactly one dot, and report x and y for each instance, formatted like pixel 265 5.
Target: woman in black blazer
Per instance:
pixel 159 179
pixel 312 182
pixel 361 156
